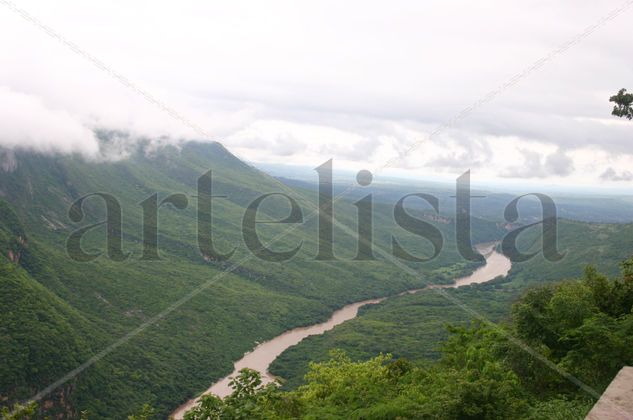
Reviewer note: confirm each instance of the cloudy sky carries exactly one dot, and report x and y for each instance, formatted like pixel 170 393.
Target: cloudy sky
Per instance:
pixel 364 82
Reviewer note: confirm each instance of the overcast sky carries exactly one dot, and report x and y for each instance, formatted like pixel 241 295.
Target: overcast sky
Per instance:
pixel 358 81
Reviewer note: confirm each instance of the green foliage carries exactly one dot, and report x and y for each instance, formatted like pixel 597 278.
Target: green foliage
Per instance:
pixel 623 102
pixel 381 388
pixel 147 412
pixel 412 326
pixel 249 400
pixel 19 412
pixel 57 312
pixel 585 327
pixel 559 409
pixel 582 327
pixel 41 336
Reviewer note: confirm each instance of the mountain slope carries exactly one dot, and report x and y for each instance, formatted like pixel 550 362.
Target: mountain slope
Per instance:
pixel 413 326
pixel 96 303
pixel 42 336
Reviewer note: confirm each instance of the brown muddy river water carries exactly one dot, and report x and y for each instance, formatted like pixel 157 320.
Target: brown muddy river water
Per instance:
pixel 265 353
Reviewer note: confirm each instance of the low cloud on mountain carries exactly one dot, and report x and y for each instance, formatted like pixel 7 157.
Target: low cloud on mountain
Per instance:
pixel 284 80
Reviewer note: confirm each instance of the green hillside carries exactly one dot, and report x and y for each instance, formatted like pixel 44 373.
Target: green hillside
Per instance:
pixel 559 349
pixel 42 336
pixel 84 307
pixel 413 326
pixel 555 355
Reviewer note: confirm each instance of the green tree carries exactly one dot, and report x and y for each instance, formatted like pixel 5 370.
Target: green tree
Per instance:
pixel 249 400
pixel 583 326
pixel 146 413
pixel 623 104
pixel 20 412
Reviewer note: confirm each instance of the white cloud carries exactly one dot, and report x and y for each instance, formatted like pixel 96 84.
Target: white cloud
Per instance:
pixel 357 81
pixel 611 175
pixel 27 123
pixel 536 165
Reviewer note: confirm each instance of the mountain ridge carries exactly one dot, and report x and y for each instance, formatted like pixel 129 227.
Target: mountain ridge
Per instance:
pixel 257 301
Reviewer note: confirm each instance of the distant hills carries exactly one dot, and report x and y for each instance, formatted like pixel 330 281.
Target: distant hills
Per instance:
pixel 57 312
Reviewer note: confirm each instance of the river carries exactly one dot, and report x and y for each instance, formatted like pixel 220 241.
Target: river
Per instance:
pixel 265 353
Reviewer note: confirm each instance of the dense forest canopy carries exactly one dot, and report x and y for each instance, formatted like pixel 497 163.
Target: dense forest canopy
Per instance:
pixel 58 312
pixel 582 328
pixel 63 312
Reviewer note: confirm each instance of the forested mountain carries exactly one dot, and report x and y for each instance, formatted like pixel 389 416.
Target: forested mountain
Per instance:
pixel 411 326
pixel 561 346
pixel 59 312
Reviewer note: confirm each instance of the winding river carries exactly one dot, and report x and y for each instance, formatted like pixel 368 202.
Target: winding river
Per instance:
pixel 265 353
